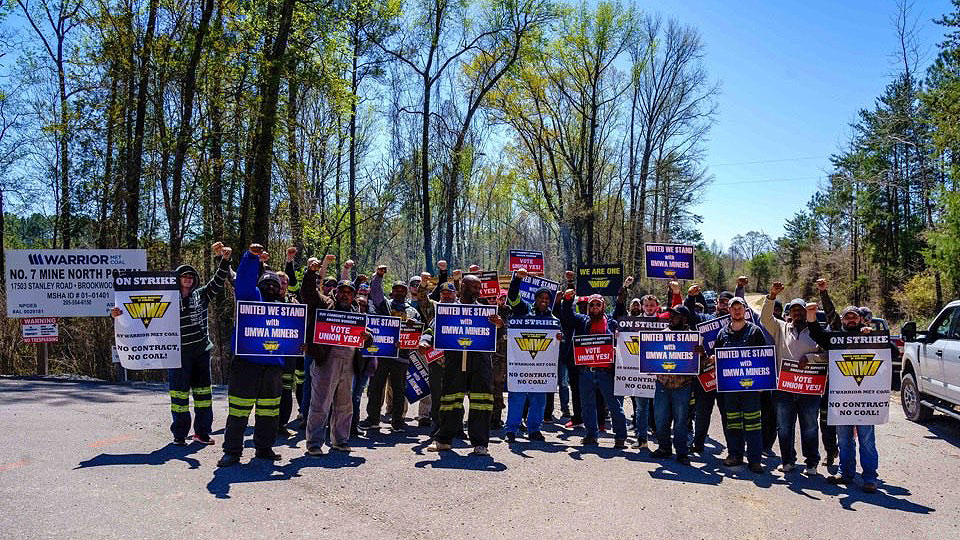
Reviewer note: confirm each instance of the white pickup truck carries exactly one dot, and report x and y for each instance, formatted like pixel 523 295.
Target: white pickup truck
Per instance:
pixel 930 376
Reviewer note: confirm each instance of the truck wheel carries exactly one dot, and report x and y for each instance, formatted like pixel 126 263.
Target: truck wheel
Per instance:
pixel 910 398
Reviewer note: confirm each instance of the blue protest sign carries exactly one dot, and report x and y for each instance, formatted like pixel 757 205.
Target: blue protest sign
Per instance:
pixel 669 353
pixel 418 379
pixel 531 284
pixel 741 369
pixel 669 261
pixel 269 328
pixel 465 327
pixel 386 335
pixel 709 330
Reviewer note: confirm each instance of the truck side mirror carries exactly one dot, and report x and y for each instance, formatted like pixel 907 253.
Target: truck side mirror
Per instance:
pixel 909 331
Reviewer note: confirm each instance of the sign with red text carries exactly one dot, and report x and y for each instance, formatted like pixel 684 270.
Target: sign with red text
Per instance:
pixel 340 328
pixel 531 261
pixel 593 350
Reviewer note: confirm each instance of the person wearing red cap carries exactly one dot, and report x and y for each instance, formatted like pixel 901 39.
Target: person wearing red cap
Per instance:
pixel 500 365
pixel 595 378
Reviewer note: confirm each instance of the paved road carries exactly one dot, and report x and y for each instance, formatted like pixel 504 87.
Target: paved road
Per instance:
pixel 92 460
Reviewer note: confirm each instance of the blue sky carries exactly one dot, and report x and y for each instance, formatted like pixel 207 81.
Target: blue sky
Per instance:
pixel 794 75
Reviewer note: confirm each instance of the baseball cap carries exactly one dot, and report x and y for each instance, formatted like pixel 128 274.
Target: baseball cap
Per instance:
pixel 795 302
pixel 346 283
pixel 737 300
pixel 850 309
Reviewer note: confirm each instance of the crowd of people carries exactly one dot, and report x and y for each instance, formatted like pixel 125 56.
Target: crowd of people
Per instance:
pixel 328 382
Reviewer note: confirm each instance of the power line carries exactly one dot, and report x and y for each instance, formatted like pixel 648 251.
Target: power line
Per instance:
pixel 764 181
pixel 765 161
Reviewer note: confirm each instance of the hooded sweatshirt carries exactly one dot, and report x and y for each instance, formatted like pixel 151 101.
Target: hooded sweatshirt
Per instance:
pixel 245 286
pixel 193 309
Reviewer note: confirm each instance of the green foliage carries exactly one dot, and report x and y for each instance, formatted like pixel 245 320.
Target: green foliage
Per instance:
pixel 944 241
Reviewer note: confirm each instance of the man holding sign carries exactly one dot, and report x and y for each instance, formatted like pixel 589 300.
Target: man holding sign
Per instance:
pixel 533 349
pixel 338 333
pixel 860 372
pixel 467 332
pixel 671 402
pixel 594 375
pixel 741 409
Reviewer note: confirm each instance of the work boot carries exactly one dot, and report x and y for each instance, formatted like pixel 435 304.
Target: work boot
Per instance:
pixel 228 460
pixel 660 453
pixel 589 441
pixel 203 439
pixel 179 441
pixel 683 459
pixel 440 447
pixel 755 468
pixel 268 454
pixel 315 451
pixel 620 443
pixel 480 451
pixel 536 436
pixel 830 459
pixel 509 437
pixel 731 461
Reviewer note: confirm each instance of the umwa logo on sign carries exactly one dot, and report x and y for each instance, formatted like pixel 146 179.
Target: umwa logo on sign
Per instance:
pixel 146 307
pixel 533 342
pixel 859 366
pixel 633 345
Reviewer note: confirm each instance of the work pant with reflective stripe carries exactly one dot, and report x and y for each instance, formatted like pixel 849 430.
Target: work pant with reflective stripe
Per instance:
pixel 253 386
pixel 286 394
pixel 193 375
pixel 395 372
pixel 473 384
pixel 499 384
pixel 743 425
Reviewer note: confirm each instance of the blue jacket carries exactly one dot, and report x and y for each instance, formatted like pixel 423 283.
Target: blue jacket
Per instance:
pixel 245 287
pixel 578 322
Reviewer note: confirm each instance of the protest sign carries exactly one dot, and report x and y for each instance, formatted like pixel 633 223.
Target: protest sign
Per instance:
pixel 593 350
pixel 341 328
pixel 531 284
pixel 410 332
pixel 669 352
pixel 743 369
pixel 532 354
pixel 465 327
pixel 65 283
pixel 708 378
pixel 628 380
pixel 147 332
pixel 269 328
pixel 386 334
pixel 669 261
pixel 860 377
pixel 489 283
pixel 602 279
pixel 418 379
pixel 39 330
pixel 810 379
pixel 642 324
pixel 709 330
pixel 531 261
pixel 432 355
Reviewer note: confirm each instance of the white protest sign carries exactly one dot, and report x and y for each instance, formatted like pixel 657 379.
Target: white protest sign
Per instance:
pixel 532 354
pixel 148 331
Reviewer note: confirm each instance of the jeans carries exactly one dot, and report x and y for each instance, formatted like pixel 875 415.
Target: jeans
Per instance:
pixel 743 426
pixel 672 405
pixel 593 380
pixel 869 458
pixel 515 402
pixel 564 381
pixel 790 408
pixel 641 408
pixel 307 386
pixel 828 433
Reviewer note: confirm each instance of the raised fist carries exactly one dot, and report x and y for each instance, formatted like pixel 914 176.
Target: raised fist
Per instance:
pixel 291 253
pixel 116 312
pixel 256 249
pixel 349 264
pixel 742 281
pixel 225 252
pixel 569 275
pixel 693 290
pixel 521 273
pixel 776 289
pixel 381 270
pixel 674 287
pixel 822 285
pixel 424 276
pixel 264 257
pixel 457 274
pixel 569 294
pixel 329 258
pixel 441 265
pixel 474 267
pixel 313 264
pixel 216 247
pixel 628 282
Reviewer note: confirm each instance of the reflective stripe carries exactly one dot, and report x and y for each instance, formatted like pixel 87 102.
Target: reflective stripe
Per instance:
pixel 751 415
pixel 481 406
pixel 179 394
pixel 267 402
pixel 734 425
pixel 481 396
pixel 202 391
pixel 267 412
pixel 452 406
pixel 179 408
pixel 752 427
pixel 242 413
pixel 288 385
pixel 453 397
pixel 243 402
pixel 202 403
pixel 513 302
